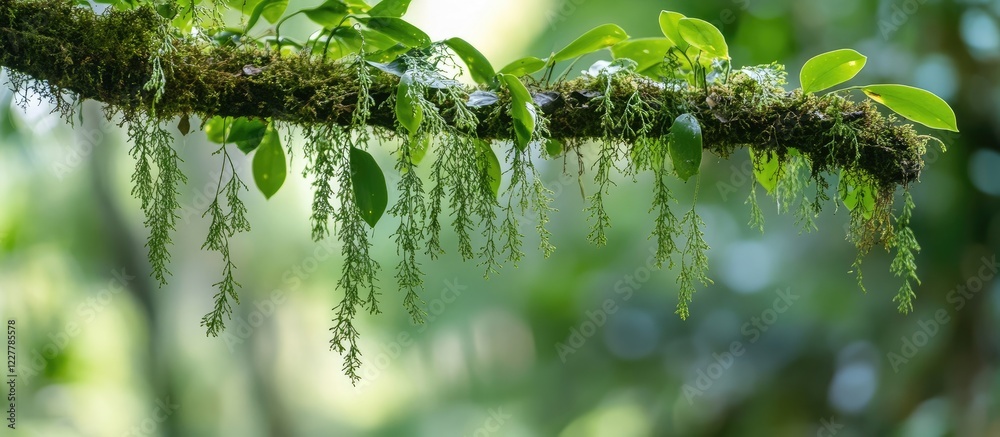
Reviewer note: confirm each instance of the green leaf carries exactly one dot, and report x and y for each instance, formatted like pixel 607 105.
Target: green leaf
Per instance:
pixel 370 193
pixel 522 109
pixel 214 129
pixel 409 113
pixel 247 133
pixel 670 26
pixel 269 164
pixel 523 66
pixel 766 169
pixel 479 67
pixel 553 147
pixel 390 8
pixel 398 30
pixel 703 36
pixel 492 166
pixel 830 69
pixel 915 104
pixel 854 192
pixel 685 146
pixel 270 9
pixel 419 149
pixel 357 6
pixel 646 52
pixel 602 36
pixel 329 14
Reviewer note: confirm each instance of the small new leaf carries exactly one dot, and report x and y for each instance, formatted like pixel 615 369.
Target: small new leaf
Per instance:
pixel 830 69
pixel 704 36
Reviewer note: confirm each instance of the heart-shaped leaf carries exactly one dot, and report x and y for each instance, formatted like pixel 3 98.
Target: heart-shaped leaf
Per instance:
pixel 368 182
pixel 269 164
pixel 522 110
pixel 830 69
pixel 605 35
pixel 670 26
pixel 685 146
pixel 703 36
pixel 397 29
pixel 915 104
pixel 479 67
pixel 390 8
pixel 646 52
pixel 523 66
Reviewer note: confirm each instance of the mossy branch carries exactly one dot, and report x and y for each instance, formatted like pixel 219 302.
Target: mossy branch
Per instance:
pixel 107 58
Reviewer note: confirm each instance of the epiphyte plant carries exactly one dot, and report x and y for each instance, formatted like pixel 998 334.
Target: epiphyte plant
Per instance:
pixel 368 76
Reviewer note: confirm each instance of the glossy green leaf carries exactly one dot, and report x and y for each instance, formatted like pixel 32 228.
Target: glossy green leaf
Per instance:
pixel 830 69
pixel 703 36
pixel 766 169
pixel 329 14
pixel 271 10
pixel 646 52
pixel 854 192
pixel 370 192
pixel 247 133
pixel 915 104
pixel 269 164
pixel 390 8
pixel 605 35
pixel 670 26
pixel 492 169
pixel 409 113
pixel 522 110
pixel 685 146
pixel 479 67
pixel 397 29
pixel 523 66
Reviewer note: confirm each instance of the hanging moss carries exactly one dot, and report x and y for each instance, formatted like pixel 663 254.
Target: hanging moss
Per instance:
pixel 141 67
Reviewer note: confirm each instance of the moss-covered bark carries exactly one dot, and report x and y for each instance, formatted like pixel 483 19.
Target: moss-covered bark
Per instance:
pixel 107 58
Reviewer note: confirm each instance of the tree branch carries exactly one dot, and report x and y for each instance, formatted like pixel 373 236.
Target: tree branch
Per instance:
pixel 108 58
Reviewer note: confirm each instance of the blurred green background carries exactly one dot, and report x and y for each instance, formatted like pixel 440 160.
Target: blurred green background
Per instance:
pixel 584 343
